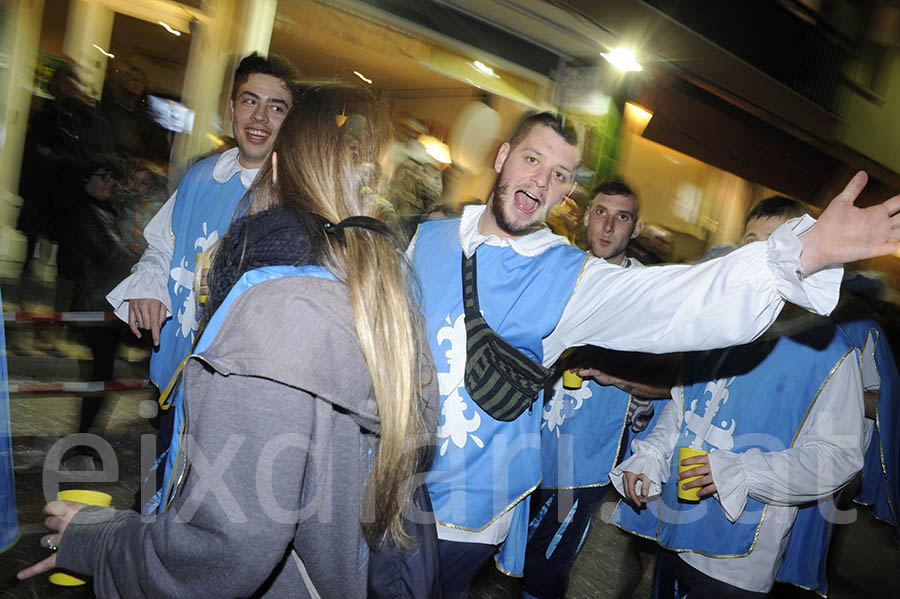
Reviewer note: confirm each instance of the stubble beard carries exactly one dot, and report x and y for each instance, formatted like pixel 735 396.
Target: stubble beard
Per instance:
pixel 503 223
pixel 610 254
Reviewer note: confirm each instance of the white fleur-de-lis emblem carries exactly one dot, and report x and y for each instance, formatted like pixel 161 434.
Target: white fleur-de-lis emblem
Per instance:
pixel 703 426
pixel 204 243
pixel 563 405
pixel 184 279
pixel 454 425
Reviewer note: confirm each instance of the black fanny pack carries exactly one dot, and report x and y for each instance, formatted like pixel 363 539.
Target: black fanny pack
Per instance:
pixel 503 381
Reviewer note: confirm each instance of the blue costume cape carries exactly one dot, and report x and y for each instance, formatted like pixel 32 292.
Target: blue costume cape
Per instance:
pixel 741 373
pixel 484 467
pixel 592 426
pixel 9 523
pixel 581 435
pixel 881 472
pixel 202 213
pixel 164 495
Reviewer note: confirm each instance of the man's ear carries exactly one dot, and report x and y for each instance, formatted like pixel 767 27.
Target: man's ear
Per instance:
pixel 275 168
pixel 637 229
pixel 502 154
pixel 231 108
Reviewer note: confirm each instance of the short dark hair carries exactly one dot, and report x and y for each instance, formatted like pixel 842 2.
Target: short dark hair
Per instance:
pixel 776 206
pixel 555 121
pixel 275 65
pixel 615 187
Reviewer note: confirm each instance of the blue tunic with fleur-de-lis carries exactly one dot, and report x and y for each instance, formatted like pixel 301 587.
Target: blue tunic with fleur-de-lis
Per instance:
pixel 482 466
pixel 581 435
pixel 202 213
pixel 729 400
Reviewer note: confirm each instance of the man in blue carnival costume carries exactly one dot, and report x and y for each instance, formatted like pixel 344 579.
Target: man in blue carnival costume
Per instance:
pixel 584 429
pixel 779 445
pixel 159 294
pixel 542 295
pixel 880 486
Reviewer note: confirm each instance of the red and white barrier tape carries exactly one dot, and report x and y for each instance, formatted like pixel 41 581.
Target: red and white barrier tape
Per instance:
pixel 58 316
pixel 79 386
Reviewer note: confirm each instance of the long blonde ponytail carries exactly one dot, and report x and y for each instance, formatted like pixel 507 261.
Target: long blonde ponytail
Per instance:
pixel 331 171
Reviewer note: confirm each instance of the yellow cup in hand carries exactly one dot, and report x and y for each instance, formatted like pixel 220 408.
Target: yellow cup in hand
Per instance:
pixel 571 380
pixel 683 454
pixel 78 496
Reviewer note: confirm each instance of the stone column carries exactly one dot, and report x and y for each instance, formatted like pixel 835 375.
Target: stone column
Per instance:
pixel 88 34
pixel 21 31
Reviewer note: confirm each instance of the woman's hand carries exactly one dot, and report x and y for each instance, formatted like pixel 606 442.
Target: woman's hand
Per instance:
pixel 59 514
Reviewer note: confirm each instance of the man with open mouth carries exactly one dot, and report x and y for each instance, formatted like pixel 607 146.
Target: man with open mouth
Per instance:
pixel 158 295
pixel 543 295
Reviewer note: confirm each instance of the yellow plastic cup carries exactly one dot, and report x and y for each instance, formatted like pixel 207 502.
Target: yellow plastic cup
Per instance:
pixel 683 454
pixel 571 380
pixel 202 296
pixel 78 496
pixel 97 498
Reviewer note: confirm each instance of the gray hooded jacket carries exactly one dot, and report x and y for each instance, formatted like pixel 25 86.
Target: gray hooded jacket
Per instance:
pixel 281 432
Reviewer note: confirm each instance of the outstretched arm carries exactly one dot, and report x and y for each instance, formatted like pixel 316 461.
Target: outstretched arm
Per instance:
pixel 640 389
pixel 845 233
pixel 728 300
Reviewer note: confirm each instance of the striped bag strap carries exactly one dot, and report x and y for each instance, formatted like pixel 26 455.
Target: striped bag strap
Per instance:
pixel 501 379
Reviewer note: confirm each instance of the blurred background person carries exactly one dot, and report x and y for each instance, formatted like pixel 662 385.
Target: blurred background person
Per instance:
pixel 564 219
pixel 62 133
pixel 94 257
pixel 142 195
pixel 125 108
pixel 415 177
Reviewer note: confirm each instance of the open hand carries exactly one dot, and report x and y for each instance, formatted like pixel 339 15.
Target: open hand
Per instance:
pixel 59 514
pixel 845 233
pixel 702 469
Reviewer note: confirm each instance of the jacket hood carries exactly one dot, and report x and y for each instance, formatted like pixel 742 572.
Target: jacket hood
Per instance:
pixel 298 331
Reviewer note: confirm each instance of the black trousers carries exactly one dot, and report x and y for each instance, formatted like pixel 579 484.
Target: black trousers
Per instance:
pixel 103 342
pixel 555 539
pixel 460 562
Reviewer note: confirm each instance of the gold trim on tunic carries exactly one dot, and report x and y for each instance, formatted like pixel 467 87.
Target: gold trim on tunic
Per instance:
pixel 615 458
pixel 494 519
pixel 765 505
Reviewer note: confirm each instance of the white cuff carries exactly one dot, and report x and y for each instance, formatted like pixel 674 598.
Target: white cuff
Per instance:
pixel 730 477
pixel 817 292
pixel 639 464
pixel 143 283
